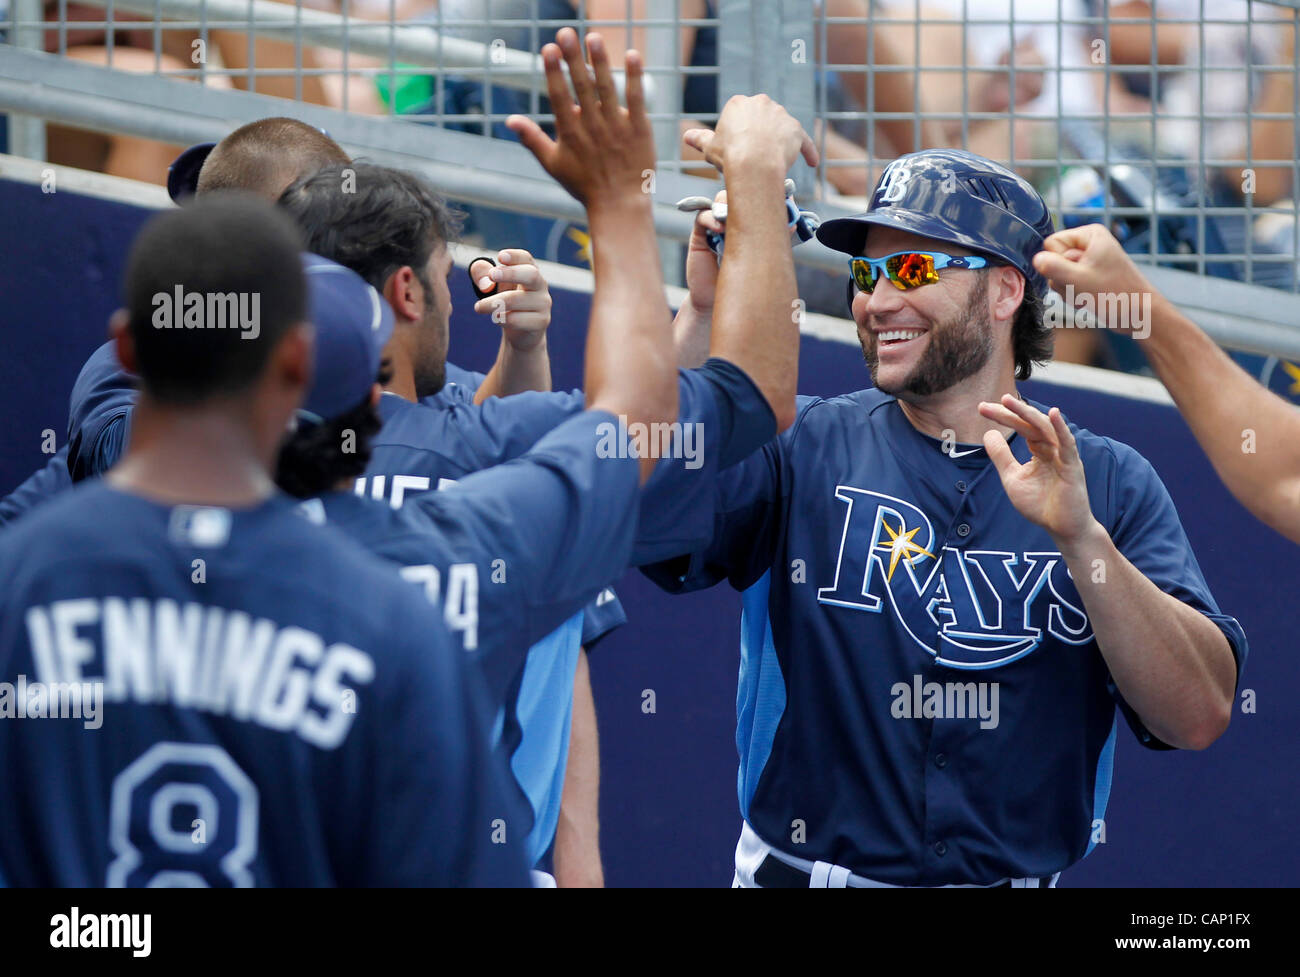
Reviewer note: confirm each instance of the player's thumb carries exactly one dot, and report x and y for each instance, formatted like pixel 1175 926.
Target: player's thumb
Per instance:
pixel 701 140
pixel 531 135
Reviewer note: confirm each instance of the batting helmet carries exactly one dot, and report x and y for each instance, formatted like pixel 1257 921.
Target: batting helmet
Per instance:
pixel 955 196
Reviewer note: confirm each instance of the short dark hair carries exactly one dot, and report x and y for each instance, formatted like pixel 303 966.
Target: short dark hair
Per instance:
pixel 265 156
pixel 227 246
pixel 1032 339
pixel 372 219
pixel 313 458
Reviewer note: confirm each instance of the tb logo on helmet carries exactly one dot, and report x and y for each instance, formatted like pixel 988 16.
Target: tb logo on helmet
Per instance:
pixel 898 174
pixel 893 183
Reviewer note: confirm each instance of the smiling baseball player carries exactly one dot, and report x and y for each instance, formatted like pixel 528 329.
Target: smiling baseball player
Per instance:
pixel 949 591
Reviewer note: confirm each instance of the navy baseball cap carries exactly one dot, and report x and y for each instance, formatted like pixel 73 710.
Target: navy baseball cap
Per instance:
pixel 955 196
pixel 183 174
pixel 353 324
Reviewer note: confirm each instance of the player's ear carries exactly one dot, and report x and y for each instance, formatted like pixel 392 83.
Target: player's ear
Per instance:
pixel 292 359
pixel 1006 289
pixel 403 293
pixel 119 332
pixel 376 392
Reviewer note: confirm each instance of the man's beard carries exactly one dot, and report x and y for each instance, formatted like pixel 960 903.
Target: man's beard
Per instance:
pixel 956 349
pixel 430 367
pixel 430 378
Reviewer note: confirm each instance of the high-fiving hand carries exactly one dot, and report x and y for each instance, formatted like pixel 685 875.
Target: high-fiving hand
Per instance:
pixel 602 150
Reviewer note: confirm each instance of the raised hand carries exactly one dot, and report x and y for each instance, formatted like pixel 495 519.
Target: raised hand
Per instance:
pixel 1050 490
pixel 753 128
pixel 1091 262
pixel 602 151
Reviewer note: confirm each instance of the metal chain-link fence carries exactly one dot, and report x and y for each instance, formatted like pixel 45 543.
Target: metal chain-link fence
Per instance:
pixel 1173 121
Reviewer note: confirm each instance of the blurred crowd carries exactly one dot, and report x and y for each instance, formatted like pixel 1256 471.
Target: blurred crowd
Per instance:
pixel 1184 88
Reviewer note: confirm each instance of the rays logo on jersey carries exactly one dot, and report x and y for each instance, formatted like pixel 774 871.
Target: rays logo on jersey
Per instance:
pixel 967 608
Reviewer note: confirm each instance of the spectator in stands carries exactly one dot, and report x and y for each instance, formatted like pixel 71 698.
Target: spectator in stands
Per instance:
pixel 490 21
pixel 1044 74
pixel 132 48
pixel 1231 97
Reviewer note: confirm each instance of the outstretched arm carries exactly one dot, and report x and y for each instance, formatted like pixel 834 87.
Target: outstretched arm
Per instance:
pixel 577 835
pixel 1251 435
pixel 755 317
pixel 602 155
pixel 693 324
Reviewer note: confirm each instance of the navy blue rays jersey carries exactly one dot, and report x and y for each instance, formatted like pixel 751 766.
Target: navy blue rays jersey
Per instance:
pixel 722 417
pixel 513 551
pixel 421 444
pixel 37 488
pixel 460 388
pixel 921 696
pixel 237 708
pixel 99 414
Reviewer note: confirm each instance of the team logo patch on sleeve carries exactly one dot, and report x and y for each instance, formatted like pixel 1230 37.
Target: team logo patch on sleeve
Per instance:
pixel 968 608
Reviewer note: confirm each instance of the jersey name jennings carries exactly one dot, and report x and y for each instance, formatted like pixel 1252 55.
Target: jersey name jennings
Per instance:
pixel 219 661
pixel 967 608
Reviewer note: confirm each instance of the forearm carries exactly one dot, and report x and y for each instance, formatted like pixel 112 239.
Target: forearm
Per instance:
pixel 1273 140
pixel 630 365
pixel 755 317
pixel 691 330
pixel 517 370
pixel 1131 43
pixel 577 835
pixel 1249 433
pixel 1171 663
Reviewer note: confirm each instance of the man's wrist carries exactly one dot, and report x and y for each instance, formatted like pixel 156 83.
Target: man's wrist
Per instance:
pixel 758 163
pixel 1086 541
pixel 764 176
pixel 526 343
pixel 619 205
pixel 1164 319
pixel 698 313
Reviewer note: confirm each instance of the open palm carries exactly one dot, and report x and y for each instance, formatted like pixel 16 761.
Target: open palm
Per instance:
pixel 600 148
pixel 1050 489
